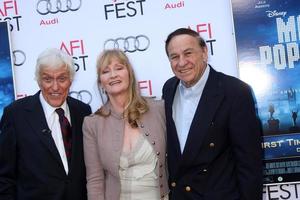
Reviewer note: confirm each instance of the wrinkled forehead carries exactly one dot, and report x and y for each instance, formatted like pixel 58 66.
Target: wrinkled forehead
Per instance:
pixel 56 69
pixel 183 42
pixel 110 59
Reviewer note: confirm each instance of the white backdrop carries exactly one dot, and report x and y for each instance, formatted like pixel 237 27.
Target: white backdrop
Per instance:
pixel 81 28
pixel 83 32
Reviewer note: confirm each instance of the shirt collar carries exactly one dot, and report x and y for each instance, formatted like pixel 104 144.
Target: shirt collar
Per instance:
pixel 199 85
pixel 48 109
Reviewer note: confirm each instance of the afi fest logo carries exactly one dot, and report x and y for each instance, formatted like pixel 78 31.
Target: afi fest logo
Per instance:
pixel 145 87
pixel 128 44
pixel 9 12
pixel 45 7
pixel 205 30
pixel 123 9
pixel 75 48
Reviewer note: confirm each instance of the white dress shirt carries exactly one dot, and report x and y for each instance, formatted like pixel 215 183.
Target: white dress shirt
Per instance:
pixel 184 106
pixel 54 125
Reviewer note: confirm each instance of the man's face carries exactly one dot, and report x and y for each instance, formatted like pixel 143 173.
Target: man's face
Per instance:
pixel 55 85
pixel 187 58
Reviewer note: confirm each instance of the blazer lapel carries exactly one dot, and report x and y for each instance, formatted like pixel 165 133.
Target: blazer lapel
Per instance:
pixel 37 120
pixel 172 137
pixel 76 130
pixel 210 100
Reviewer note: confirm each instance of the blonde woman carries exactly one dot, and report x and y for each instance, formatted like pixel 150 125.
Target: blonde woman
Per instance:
pixel 124 141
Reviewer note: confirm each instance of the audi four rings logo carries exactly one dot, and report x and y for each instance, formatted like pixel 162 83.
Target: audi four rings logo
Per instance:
pixel 128 44
pixel 82 95
pixel 45 7
pixel 19 57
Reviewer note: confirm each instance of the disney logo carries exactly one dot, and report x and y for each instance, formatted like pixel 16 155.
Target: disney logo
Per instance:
pixel 275 13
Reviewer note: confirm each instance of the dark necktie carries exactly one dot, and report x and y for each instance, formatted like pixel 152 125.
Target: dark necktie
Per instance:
pixel 66 132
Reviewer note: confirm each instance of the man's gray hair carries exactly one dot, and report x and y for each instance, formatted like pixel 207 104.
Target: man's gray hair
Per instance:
pixel 54 58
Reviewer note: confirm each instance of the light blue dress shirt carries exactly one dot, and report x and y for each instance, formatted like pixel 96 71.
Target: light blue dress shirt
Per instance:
pixel 184 106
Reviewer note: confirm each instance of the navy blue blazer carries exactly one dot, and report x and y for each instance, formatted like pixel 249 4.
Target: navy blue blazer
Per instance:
pixel 31 167
pixel 222 158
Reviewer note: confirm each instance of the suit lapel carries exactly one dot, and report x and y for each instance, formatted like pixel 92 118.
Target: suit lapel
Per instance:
pixel 172 137
pixel 210 100
pixel 37 120
pixel 75 130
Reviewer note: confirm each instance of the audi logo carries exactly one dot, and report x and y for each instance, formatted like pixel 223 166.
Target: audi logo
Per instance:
pixel 82 95
pixel 45 7
pixel 129 44
pixel 19 57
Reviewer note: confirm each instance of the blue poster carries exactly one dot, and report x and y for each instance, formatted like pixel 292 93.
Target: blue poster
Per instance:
pixel 267 37
pixel 7 94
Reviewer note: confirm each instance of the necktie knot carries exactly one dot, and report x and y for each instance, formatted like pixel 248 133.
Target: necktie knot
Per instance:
pixel 60 112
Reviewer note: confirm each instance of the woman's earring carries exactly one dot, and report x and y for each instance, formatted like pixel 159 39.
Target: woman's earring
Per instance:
pixel 103 90
pixel 103 95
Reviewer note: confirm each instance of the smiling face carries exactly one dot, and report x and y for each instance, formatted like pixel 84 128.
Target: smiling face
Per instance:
pixel 188 59
pixel 55 84
pixel 114 78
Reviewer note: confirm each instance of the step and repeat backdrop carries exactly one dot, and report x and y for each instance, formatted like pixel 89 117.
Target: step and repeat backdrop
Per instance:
pixel 85 28
pixel 139 27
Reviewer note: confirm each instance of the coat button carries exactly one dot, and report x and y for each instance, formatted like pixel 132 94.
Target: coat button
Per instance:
pixel 204 170
pixel 153 143
pixel 142 125
pixel 157 153
pixel 173 184
pixel 147 134
pixel 212 145
pixel 188 188
pixel 160 176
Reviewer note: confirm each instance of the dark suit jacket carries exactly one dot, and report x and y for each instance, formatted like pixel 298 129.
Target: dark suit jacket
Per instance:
pixel 31 168
pixel 222 158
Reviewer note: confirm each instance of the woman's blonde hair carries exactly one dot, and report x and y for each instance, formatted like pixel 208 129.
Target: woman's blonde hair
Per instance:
pixel 136 105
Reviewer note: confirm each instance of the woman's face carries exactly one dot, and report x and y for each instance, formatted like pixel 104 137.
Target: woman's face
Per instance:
pixel 114 78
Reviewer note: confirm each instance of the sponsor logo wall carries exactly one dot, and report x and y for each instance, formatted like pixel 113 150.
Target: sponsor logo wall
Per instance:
pixel 139 27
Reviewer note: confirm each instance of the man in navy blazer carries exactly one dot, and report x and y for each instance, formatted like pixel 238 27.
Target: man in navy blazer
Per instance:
pixel 213 132
pixel 34 163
